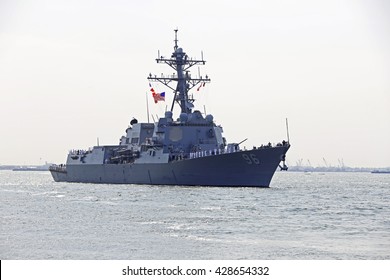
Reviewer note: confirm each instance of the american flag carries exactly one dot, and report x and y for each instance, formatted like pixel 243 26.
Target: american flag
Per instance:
pixel 157 96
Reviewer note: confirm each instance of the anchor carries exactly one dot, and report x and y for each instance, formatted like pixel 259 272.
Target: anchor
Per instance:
pixel 283 167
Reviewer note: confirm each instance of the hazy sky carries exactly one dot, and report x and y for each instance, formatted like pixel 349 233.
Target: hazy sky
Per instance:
pixel 72 71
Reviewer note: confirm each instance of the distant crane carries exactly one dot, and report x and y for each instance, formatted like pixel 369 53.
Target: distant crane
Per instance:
pixel 326 164
pixel 341 163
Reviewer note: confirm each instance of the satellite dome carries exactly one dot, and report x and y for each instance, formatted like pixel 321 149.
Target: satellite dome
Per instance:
pixel 133 121
pixel 183 117
pixel 209 118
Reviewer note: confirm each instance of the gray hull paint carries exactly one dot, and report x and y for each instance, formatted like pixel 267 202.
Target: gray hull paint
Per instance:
pixel 253 168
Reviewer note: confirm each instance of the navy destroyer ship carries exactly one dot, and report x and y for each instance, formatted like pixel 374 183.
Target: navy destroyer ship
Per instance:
pixel 188 150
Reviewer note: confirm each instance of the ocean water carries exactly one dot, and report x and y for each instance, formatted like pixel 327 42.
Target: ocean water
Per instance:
pixel 301 216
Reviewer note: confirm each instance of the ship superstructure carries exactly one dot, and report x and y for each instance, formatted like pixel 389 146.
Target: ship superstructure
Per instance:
pixel 187 150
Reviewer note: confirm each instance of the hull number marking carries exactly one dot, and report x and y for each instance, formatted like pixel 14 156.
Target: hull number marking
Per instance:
pixel 251 159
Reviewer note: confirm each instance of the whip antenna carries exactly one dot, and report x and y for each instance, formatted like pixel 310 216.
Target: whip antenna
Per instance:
pixel 147 106
pixel 288 135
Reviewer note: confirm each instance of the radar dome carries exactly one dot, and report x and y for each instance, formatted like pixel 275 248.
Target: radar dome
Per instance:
pixel 183 117
pixel 209 118
pixel 133 121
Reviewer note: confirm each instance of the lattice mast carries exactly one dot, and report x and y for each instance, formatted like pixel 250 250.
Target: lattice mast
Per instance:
pixel 181 63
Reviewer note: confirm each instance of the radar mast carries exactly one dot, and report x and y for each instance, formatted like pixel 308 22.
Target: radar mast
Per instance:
pixel 181 63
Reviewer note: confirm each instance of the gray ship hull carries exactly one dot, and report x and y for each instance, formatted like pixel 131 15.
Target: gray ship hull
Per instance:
pixel 187 150
pixel 254 168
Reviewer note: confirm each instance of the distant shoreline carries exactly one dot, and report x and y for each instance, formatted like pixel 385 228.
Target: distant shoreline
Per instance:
pixel 381 170
pixel 338 169
pixel 25 167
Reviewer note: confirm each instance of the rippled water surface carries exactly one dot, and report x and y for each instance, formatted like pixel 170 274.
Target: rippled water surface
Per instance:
pixel 302 216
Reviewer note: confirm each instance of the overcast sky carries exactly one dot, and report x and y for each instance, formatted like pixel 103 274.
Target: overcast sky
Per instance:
pixel 72 71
